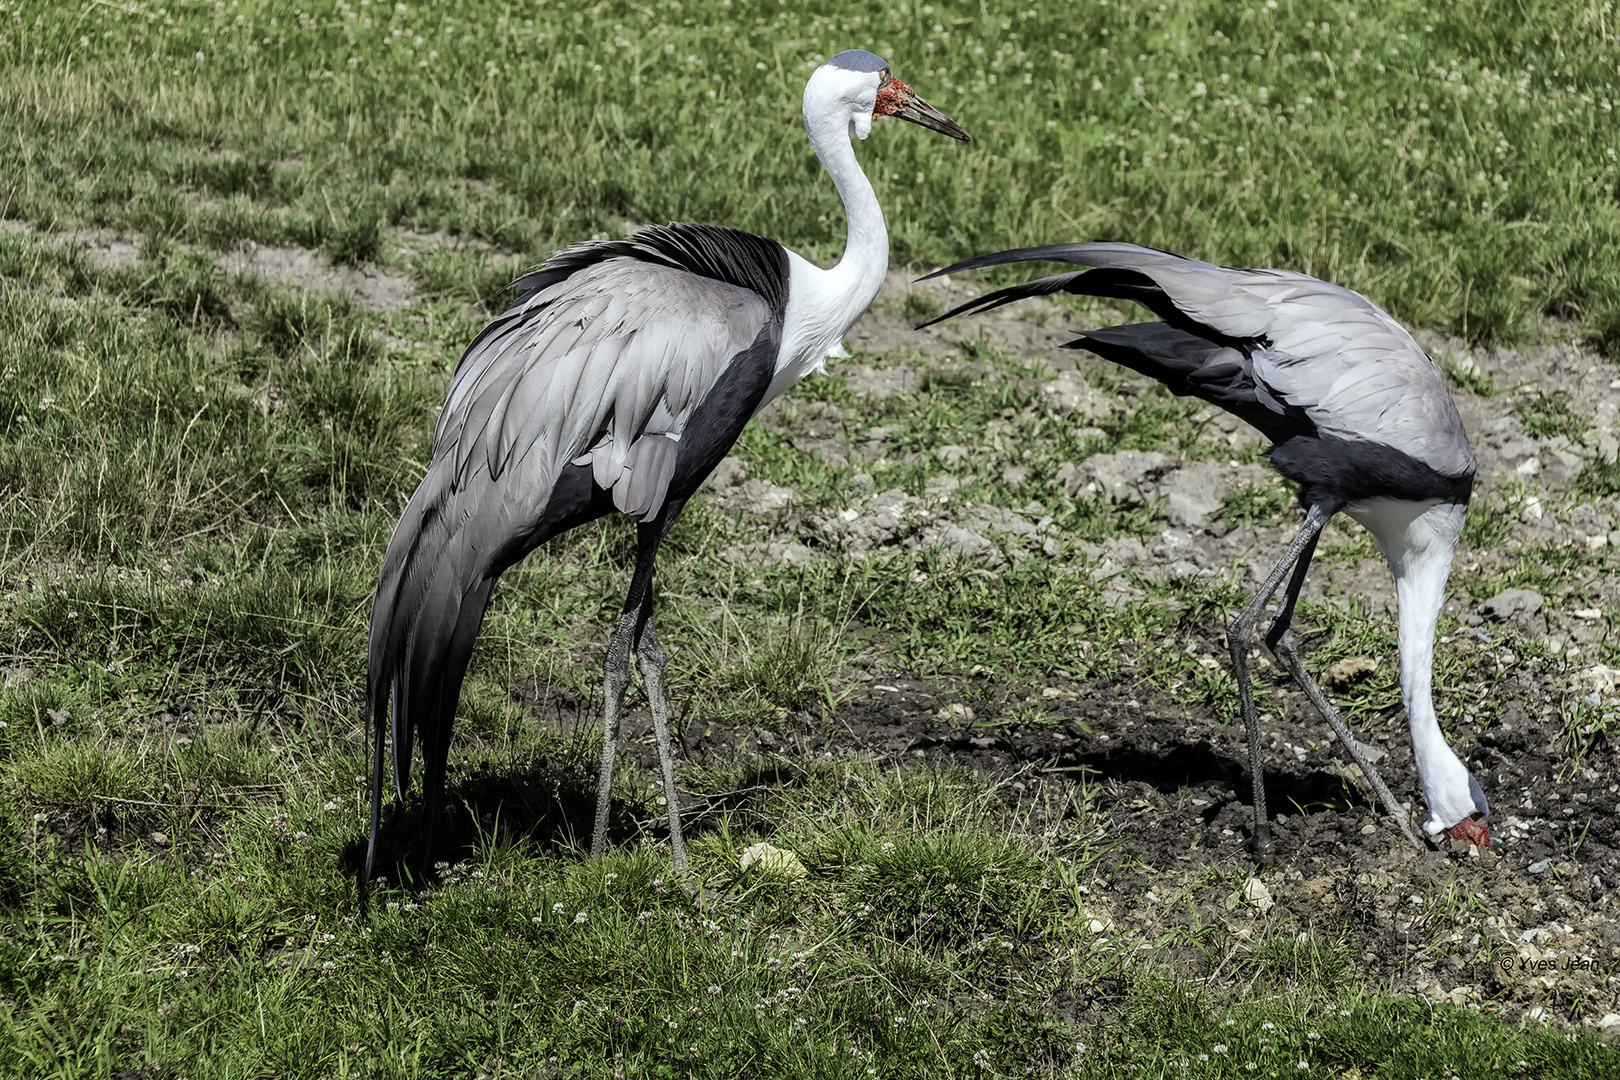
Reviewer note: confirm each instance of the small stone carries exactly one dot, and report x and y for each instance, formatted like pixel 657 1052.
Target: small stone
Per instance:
pixel 773 860
pixel 1539 867
pixel 1511 602
pixel 955 713
pixel 728 474
pixel 160 839
pixel 1256 893
pixel 1341 673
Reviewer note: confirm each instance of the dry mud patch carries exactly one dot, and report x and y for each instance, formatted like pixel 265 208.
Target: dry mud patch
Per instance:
pixel 1150 796
pixel 1153 787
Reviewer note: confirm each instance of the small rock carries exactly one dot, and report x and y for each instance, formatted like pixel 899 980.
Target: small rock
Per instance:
pixel 952 454
pixel 1602 679
pixel 1256 893
pixel 1013 475
pixel 1114 476
pixel 1511 602
pixel 1341 673
pixel 160 839
pixel 761 497
pixel 773 860
pixel 1069 393
pixel 1539 867
pixel 955 713
pixel 1373 754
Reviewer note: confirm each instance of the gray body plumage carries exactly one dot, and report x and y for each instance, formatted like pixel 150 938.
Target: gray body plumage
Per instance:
pixel 1298 358
pixel 616 382
pixel 1358 416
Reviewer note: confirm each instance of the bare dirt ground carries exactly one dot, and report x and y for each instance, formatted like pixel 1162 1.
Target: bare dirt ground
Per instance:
pixel 1526 928
pixel 1156 786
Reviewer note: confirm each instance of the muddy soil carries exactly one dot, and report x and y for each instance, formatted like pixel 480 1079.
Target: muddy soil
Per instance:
pixel 1156 790
pixel 1152 792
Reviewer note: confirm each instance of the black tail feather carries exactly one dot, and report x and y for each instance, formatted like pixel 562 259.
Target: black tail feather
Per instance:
pixel 431 598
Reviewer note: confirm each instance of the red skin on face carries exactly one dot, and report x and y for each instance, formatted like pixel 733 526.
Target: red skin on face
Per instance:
pixel 891 96
pixel 1471 830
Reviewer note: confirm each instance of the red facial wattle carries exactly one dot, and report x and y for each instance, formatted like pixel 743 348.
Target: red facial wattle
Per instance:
pixel 1472 830
pixel 891 96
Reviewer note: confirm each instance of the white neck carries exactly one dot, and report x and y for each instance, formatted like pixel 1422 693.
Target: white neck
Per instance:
pixel 1418 540
pixel 824 304
pixel 866 247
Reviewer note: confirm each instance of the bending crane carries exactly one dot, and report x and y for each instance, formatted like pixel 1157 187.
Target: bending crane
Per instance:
pixel 1358 416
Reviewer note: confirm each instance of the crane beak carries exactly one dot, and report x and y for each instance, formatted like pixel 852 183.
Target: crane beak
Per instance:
pixel 921 113
pixel 895 98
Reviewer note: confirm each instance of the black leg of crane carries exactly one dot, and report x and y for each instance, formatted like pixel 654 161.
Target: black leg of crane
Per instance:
pixel 1239 640
pixel 1285 647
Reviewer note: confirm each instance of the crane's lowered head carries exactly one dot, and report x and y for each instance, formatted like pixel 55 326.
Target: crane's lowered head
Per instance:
pixel 1454 795
pixel 857 85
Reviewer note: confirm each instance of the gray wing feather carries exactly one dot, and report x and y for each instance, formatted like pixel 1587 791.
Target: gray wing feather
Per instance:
pixel 1319 347
pixel 619 353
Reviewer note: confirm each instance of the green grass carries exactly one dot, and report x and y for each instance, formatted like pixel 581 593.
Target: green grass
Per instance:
pixel 1451 164
pixel 199 473
pixel 1548 415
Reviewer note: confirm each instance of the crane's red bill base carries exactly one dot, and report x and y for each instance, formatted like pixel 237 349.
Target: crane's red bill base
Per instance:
pixel 1472 830
pixel 895 98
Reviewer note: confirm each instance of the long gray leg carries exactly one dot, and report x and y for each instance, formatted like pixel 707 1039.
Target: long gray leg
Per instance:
pixel 627 639
pixel 1285 647
pixel 1239 640
pixel 615 680
pixel 652 658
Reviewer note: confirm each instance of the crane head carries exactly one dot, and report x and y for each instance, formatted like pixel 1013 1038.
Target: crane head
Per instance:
pixel 1476 827
pixel 1472 830
pixel 895 98
pixel 859 75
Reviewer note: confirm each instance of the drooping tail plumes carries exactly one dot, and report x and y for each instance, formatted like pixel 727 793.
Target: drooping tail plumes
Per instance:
pixel 430 603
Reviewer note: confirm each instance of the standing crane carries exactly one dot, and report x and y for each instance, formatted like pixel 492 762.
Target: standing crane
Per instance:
pixel 619 378
pixel 1358 416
